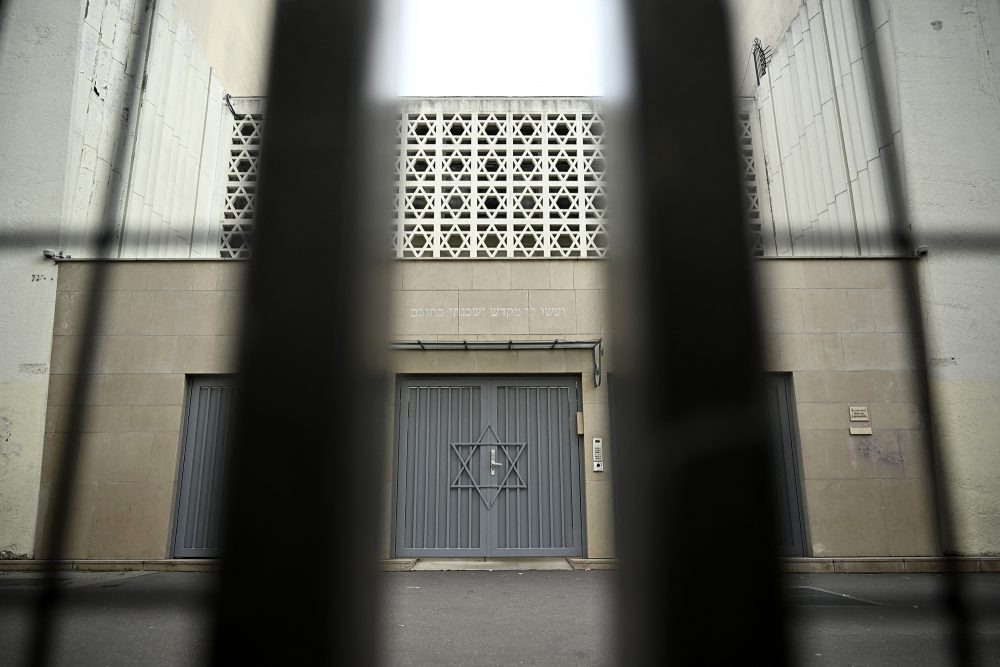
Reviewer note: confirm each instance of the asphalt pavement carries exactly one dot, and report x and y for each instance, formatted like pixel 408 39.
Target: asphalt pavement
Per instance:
pixel 499 618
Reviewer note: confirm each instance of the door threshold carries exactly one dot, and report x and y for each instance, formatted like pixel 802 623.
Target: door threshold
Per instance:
pixel 491 564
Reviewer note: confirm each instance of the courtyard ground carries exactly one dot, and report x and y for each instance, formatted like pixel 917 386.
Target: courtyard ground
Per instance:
pixel 498 618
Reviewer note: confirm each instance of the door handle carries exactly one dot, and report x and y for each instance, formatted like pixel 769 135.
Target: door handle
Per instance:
pixel 493 462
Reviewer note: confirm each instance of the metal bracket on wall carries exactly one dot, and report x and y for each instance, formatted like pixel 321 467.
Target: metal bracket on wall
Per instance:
pixel 761 58
pixel 466 345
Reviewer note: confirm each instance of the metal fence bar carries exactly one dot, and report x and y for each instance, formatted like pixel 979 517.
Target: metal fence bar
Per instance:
pixel 304 481
pixel 104 243
pixel 970 242
pixel 693 452
pixel 305 469
pixel 955 598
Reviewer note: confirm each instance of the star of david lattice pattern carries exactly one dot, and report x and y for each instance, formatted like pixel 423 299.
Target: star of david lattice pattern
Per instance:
pixel 491 184
pixel 241 187
pixel 509 477
pixel 500 184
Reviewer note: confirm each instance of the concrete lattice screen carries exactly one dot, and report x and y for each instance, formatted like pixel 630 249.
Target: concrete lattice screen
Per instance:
pixel 506 179
pixel 511 180
pixel 241 186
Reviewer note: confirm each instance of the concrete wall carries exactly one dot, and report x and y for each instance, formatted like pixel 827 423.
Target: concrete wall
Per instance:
pixel 163 320
pixel 753 19
pixel 167 190
pixel 236 37
pixel 168 319
pixel 943 129
pixel 513 300
pixel 38 42
pixel 839 327
pixel 107 61
pixel 949 107
pixel 65 111
pixel 836 326
pixel 177 137
pixel 825 145
pixel 764 19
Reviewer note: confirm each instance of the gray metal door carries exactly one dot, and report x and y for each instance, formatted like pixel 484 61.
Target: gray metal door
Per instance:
pixel 203 455
pixel 488 467
pixel 786 473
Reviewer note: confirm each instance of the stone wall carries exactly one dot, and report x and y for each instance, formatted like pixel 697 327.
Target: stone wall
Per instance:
pixel 835 325
pixel 163 321
pixel 840 328
pixel 514 300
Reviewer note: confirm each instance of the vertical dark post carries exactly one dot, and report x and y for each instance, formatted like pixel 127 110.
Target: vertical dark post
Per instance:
pixel 102 245
pixel 304 488
pixel 693 446
pixel 962 644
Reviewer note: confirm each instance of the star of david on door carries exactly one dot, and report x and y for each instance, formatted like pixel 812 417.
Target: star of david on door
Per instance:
pixel 509 475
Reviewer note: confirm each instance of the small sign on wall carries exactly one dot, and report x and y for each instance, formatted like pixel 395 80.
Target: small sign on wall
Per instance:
pixel 859 413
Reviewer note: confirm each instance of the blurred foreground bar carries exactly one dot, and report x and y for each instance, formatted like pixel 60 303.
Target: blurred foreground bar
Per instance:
pixel 693 439
pixel 306 459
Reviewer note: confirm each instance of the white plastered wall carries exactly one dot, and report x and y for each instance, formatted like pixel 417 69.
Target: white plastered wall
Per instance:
pixel 949 105
pixel 765 20
pixel 825 144
pixel 38 41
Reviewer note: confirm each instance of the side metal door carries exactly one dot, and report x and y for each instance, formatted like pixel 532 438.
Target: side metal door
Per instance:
pixel 786 473
pixel 203 456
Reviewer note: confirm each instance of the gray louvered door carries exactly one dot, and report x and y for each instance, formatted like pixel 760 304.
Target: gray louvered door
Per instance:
pixel 488 467
pixel 203 454
pixel 786 473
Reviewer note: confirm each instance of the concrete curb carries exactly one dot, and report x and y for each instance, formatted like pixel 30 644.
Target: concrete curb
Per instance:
pixel 162 565
pixel 397 564
pixel 593 563
pixel 900 565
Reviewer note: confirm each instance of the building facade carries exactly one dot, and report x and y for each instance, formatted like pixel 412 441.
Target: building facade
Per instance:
pixel 82 86
pixel 501 441
pixel 827 148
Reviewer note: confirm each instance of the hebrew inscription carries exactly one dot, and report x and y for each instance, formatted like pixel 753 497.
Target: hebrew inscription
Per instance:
pixel 488 312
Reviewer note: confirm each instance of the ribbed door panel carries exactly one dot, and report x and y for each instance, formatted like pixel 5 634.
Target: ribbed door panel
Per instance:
pixel 450 499
pixel 206 439
pixel 544 517
pixel 430 513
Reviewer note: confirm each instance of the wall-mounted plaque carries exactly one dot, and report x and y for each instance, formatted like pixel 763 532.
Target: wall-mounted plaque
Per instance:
pixel 859 413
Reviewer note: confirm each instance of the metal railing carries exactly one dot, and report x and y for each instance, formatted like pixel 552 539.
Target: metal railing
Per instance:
pixel 669 590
